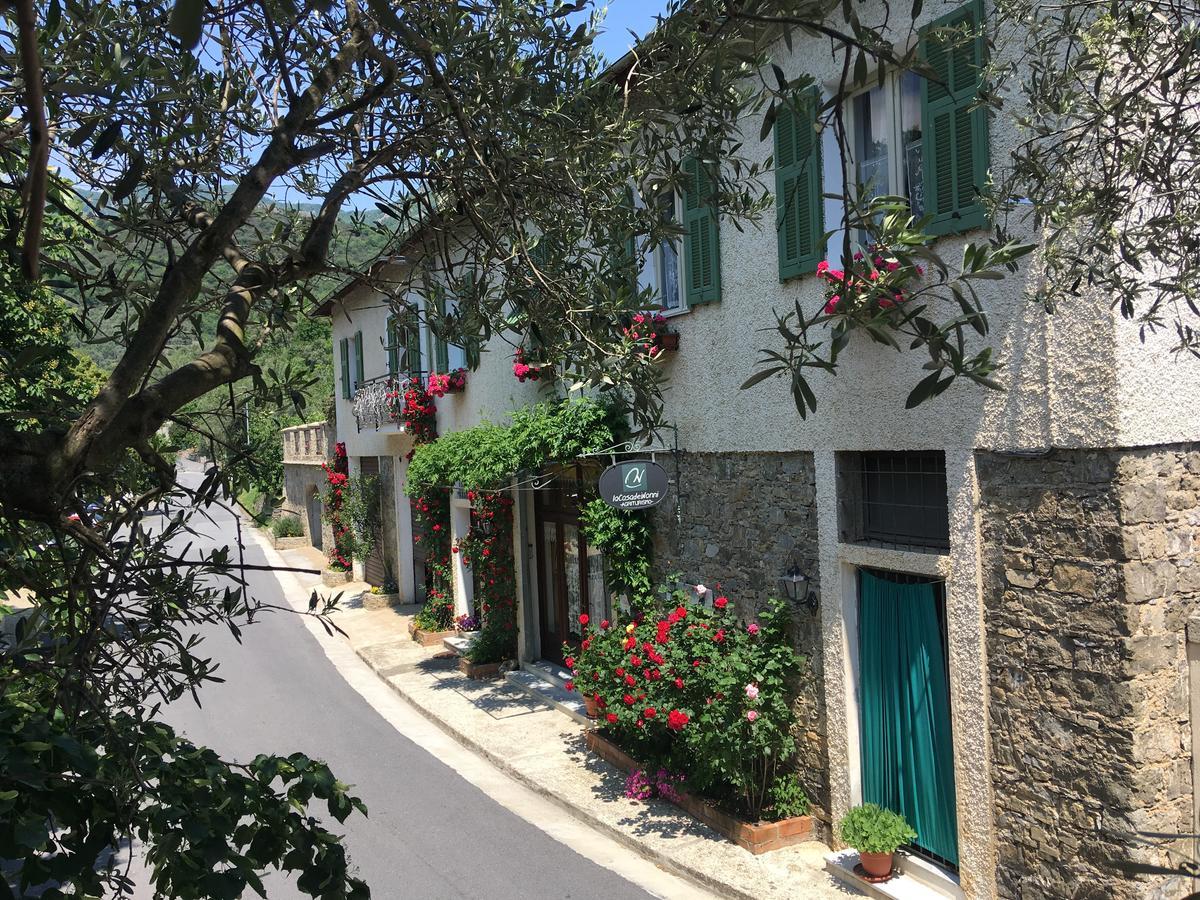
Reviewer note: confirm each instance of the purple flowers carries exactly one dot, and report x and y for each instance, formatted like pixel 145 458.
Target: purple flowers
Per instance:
pixel 640 786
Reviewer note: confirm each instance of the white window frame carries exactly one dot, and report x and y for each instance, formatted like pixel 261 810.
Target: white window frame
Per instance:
pixel 893 99
pixel 650 271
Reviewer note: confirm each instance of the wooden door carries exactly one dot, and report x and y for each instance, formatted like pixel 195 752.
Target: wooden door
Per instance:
pixel 570 577
pixel 373 567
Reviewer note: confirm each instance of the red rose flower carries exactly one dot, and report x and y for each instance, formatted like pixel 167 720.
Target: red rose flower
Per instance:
pixel 583 618
pixel 604 623
pixel 676 720
pixel 635 661
pixel 570 685
pixel 628 698
pixel 620 671
pixel 721 602
pixel 719 636
pixel 679 683
pixel 650 712
pixel 570 661
pixel 630 680
pixel 612 718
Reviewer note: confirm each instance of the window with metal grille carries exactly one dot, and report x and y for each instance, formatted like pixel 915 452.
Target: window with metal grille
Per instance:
pixel 894 499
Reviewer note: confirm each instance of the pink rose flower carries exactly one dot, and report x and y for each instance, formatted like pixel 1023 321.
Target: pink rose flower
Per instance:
pixel 751 715
pixel 752 628
pixel 752 691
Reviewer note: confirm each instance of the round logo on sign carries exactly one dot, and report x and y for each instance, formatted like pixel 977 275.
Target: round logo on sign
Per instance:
pixel 639 484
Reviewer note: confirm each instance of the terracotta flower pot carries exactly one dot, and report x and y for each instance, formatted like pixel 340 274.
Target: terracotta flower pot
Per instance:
pixel 591 707
pixel 877 865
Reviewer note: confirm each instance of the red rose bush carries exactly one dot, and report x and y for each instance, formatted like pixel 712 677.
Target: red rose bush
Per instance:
pixel 690 689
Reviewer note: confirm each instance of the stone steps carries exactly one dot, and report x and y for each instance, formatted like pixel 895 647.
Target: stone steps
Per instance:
pixel 549 691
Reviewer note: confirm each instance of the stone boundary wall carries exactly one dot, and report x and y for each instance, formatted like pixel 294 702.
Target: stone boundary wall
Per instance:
pixel 743 520
pixel 1089 566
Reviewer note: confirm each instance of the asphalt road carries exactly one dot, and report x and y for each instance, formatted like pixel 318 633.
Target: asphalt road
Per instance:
pixel 430 832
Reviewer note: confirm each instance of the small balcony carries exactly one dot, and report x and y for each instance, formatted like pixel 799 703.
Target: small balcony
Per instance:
pixel 377 402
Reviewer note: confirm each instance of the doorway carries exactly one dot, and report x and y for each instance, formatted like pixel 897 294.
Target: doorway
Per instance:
pixel 313 509
pixel 374 567
pixel 907 741
pixel 570 573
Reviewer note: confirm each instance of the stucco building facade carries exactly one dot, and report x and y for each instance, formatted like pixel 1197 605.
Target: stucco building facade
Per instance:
pixel 1054 523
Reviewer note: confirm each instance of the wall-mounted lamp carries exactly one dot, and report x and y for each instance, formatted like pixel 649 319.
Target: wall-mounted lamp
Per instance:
pixel 800 589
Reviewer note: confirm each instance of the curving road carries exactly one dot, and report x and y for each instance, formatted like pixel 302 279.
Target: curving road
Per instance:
pixel 431 833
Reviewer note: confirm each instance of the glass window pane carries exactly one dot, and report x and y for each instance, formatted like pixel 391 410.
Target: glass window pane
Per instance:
pixel 599 605
pixel 910 136
pixel 574 588
pixel 871 133
pixel 549 607
pixel 668 259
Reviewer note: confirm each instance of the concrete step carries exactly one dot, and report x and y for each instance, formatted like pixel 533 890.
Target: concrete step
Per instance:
pixel 458 644
pixel 923 881
pixel 551 672
pixel 550 693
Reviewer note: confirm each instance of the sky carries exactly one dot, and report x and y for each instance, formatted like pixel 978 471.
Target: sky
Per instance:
pixel 624 15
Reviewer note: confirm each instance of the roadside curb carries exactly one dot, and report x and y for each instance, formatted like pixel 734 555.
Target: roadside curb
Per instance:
pixel 660 859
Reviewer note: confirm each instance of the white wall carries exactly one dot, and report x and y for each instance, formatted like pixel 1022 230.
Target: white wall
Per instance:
pixel 1077 378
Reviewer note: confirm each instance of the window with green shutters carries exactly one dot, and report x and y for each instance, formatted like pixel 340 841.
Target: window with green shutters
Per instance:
pixel 393 345
pixel 799 216
pixel 701 245
pixel 410 328
pixel 344 350
pixel 358 360
pixel 955 138
pixel 441 350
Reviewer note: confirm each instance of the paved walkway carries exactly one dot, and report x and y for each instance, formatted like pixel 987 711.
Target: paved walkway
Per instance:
pixel 444 823
pixel 544 749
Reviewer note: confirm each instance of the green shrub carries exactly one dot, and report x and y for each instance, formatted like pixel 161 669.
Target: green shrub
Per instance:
pixel 437 614
pixel 694 690
pixel 788 797
pixel 287 526
pixel 872 829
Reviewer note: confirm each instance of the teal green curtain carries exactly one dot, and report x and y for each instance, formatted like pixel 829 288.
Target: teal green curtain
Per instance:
pixel 907 746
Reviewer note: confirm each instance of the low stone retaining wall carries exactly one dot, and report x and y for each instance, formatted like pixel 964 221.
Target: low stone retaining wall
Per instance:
pixel 290 543
pixel 428 638
pixel 334 577
pixel 371 600
pixel 757 837
pixel 479 671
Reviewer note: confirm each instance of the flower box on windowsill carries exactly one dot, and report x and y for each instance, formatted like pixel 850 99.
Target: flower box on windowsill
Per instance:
pixel 669 341
pixel 757 837
pixel 428 638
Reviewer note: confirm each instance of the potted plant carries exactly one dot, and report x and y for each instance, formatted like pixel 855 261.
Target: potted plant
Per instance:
pixel 453 382
pixel 875 833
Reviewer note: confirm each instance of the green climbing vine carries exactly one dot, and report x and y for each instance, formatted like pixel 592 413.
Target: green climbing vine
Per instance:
pixel 626 540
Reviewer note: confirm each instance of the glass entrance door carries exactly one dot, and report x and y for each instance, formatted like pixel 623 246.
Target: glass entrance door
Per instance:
pixel 570 574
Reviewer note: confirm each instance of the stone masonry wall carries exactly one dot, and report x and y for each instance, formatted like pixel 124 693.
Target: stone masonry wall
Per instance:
pixel 1088 576
pixel 743 520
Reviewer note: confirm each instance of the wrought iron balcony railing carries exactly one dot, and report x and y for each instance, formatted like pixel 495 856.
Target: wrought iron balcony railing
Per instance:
pixel 377 401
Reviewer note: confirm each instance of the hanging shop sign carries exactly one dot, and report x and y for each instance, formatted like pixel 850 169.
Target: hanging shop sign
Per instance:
pixel 639 484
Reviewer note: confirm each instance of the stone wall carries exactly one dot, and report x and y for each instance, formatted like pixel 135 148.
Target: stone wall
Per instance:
pixel 305 447
pixel 743 519
pixel 1089 573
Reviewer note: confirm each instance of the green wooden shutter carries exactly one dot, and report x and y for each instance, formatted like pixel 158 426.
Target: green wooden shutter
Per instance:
pixel 393 347
pixel 412 344
pixel 701 245
pixel 344 348
pixel 441 352
pixel 799 207
pixel 358 360
pixel 954 137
